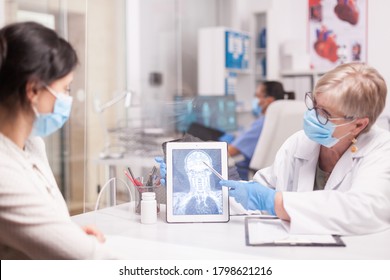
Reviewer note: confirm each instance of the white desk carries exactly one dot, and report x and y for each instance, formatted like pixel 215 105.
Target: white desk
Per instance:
pixel 201 241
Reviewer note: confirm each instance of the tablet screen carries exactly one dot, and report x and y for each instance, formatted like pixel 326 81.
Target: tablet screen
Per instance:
pixel 193 190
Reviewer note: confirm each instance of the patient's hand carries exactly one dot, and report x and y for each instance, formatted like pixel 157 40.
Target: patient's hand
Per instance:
pixel 92 230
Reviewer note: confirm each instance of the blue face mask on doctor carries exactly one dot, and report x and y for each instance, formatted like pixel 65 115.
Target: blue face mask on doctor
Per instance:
pixel 46 124
pixel 256 108
pixel 321 133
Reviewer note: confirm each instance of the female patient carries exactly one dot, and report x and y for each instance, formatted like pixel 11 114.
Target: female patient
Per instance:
pixel 36 69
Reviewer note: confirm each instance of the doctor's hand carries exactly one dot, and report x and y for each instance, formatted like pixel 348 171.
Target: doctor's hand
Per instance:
pixel 163 169
pixel 251 195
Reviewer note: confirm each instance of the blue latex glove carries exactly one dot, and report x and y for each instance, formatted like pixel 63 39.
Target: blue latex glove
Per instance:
pixel 251 195
pixel 228 138
pixel 163 169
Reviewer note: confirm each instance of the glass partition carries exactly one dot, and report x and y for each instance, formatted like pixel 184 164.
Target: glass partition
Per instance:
pixel 141 61
pixel 65 148
pixel 108 99
pixel 136 58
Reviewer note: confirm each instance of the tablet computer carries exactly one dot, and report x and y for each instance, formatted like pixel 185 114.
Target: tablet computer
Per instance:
pixel 193 190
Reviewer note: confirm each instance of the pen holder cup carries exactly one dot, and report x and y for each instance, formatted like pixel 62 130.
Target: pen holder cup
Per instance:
pixel 138 190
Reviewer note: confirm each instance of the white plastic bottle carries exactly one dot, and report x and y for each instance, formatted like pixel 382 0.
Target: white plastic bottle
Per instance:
pixel 148 208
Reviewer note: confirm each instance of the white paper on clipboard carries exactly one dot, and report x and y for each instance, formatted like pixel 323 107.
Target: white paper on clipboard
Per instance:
pixel 275 232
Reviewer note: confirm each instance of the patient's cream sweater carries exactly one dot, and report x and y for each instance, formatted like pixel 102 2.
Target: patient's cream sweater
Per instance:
pixel 34 219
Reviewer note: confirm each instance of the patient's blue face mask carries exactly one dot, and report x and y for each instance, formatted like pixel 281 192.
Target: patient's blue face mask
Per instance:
pixel 256 108
pixel 46 124
pixel 320 133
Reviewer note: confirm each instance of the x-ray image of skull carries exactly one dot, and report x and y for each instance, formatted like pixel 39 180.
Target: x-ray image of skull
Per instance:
pixel 201 198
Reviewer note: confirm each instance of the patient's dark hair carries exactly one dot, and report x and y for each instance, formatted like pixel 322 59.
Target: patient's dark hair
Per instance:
pixel 30 52
pixel 275 89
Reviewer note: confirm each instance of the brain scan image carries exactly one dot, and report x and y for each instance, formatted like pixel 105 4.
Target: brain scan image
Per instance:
pixel 196 190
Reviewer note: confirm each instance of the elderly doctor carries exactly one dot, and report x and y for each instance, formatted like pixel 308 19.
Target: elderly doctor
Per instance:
pixel 334 176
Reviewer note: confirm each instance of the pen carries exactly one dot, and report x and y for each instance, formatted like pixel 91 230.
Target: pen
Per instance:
pixel 131 173
pixel 132 179
pixel 149 182
pixel 214 171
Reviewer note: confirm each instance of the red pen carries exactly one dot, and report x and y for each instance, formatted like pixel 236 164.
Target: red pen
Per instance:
pixel 130 178
pixel 137 183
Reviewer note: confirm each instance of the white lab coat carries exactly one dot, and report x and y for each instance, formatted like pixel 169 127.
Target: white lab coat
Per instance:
pixel 356 198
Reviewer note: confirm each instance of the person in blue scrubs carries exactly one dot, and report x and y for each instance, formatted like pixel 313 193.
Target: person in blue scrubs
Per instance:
pixel 245 144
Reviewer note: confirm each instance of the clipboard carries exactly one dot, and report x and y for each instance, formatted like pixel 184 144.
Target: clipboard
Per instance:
pixel 271 231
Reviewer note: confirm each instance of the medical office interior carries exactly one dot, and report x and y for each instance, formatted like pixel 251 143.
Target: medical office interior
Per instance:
pixel 144 62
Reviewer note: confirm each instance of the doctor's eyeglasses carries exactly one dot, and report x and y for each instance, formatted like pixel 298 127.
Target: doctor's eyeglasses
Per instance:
pixel 322 115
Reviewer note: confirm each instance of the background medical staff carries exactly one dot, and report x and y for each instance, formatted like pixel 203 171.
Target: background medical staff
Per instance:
pixel 333 177
pixel 36 70
pixel 245 144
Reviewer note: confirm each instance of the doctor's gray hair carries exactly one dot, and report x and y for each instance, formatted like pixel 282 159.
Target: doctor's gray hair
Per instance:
pixel 355 89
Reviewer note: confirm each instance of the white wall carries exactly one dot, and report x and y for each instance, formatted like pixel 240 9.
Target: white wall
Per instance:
pixel 191 23
pixel 2 15
pixel 163 38
pixel 105 79
pixel 239 15
pixel 287 20
pixel 157 45
pixel 379 40
pixel 167 32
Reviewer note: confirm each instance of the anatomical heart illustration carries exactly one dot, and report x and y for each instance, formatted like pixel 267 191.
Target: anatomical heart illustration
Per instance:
pixel 325 45
pixel 337 32
pixel 347 10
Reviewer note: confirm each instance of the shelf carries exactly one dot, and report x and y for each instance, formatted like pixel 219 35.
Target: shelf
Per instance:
pixel 261 79
pixel 260 47
pixel 261 51
pixel 238 71
pixel 223 59
pixel 312 74
pixel 294 73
